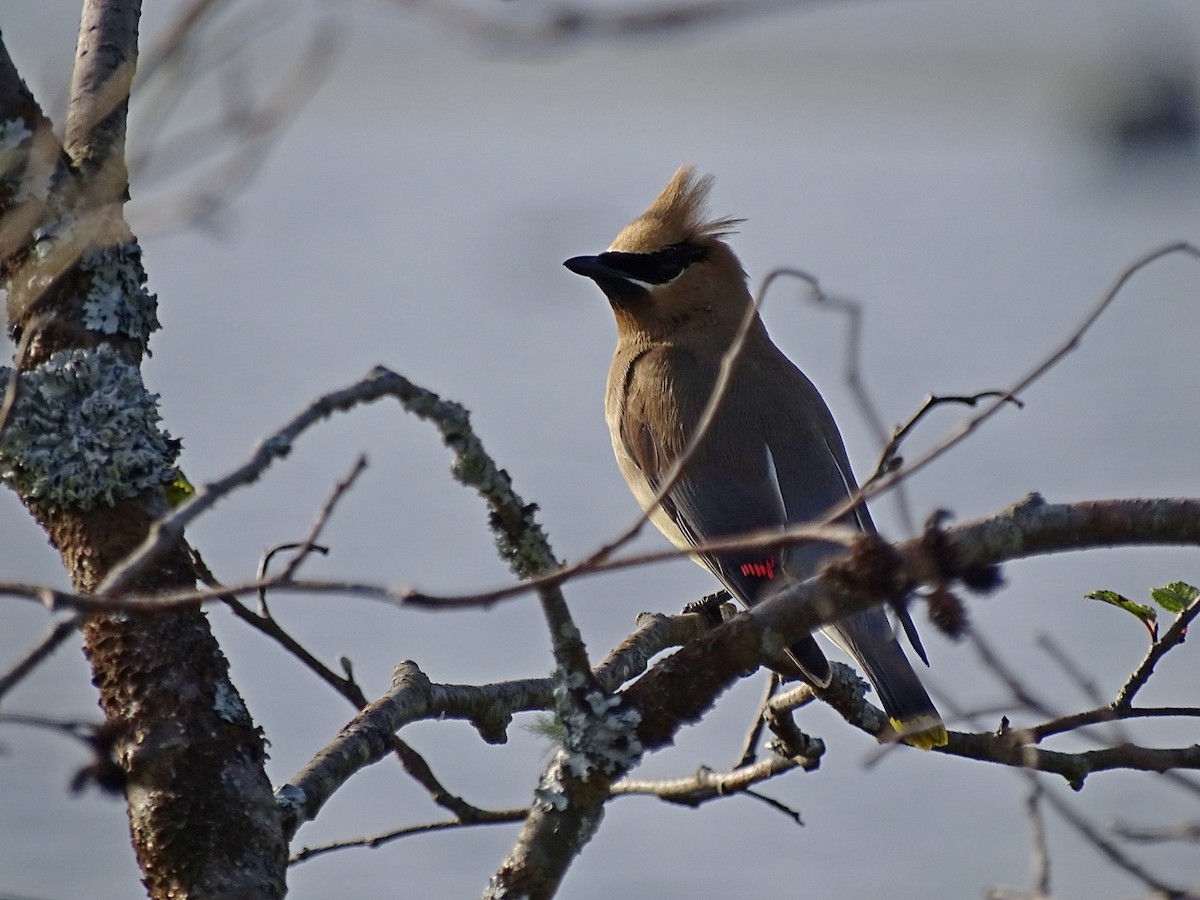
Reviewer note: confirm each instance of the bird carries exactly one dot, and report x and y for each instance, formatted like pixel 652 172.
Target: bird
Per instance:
pixel 772 455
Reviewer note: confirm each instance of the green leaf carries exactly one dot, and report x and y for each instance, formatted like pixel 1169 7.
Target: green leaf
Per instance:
pixel 1147 614
pixel 1175 597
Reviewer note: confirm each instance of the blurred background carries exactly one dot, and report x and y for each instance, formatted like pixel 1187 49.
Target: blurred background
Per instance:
pixel 975 174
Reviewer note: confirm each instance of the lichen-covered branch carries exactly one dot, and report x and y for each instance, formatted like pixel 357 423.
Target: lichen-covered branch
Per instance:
pixel 520 540
pixel 702 787
pixel 489 708
pixel 82 448
pixel 1030 527
pixel 597 730
pixel 367 739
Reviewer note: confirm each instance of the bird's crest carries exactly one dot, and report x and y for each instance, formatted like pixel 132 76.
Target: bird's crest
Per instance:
pixel 679 213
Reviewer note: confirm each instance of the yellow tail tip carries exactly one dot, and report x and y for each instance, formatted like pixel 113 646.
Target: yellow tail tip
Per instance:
pixel 924 733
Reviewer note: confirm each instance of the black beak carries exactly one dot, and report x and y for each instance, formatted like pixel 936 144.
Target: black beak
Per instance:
pixel 615 283
pixel 590 267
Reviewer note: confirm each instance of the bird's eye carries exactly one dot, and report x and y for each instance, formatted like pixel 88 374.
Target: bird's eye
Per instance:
pixel 658 267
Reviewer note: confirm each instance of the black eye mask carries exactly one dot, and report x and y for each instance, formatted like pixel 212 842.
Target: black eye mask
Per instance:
pixel 658 267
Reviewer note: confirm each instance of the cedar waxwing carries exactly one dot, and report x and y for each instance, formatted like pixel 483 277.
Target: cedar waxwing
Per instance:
pixel 772 456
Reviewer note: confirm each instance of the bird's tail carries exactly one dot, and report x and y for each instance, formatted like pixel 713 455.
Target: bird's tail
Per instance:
pixel 868 637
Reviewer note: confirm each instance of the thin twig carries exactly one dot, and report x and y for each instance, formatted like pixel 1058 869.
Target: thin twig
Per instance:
pixel 888 458
pixel 471 465
pixel 1185 831
pixel 716 397
pixel 1112 852
pixel 1174 636
pixel 264 566
pixel 852 374
pixel 1038 849
pixel 706 785
pixel 308 544
pixel 412 761
pixel 1073 767
pixel 754 734
pixel 1030 528
pixel 599 560
pixel 1058 653
pixel 765 539
pixel 490 817
pixel 39 652
pixel 577 21
pixel 971 425
pixel 777 805
pixel 249 134
pixel 12 389
pixel 488 708
pixel 1007 676
pixel 1104 714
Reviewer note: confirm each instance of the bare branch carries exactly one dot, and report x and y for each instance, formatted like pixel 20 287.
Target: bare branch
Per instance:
pixel 1113 853
pixel 234 147
pixel 1033 527
pixel 1071 343
pixel 766 539
pixel 12 390
pixel 1020 692
pixel 308 544
pixel 34 169
pixel 488 817
pixel 1185 831
pixel 702 787
pixel 488 708
pixel 889 458
pixel 105 59
pixel 1039 851
pixel 264 566
pixel 750 743
pixel 40 651
pixel 574 22
pixel 1110 713
pixel 1174 636
pixel 1083 680
pixel 1074 767
pixel 520 540
pixel 1029 528
pixel 716 397
pixel 655 632
pixel 707 785
pixel 414 764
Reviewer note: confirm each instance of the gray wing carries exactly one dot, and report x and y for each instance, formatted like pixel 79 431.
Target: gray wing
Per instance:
pixel 814 476
pixel 727 488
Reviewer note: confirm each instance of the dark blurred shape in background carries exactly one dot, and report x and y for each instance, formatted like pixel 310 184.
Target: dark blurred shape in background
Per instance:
pixel 1149 108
